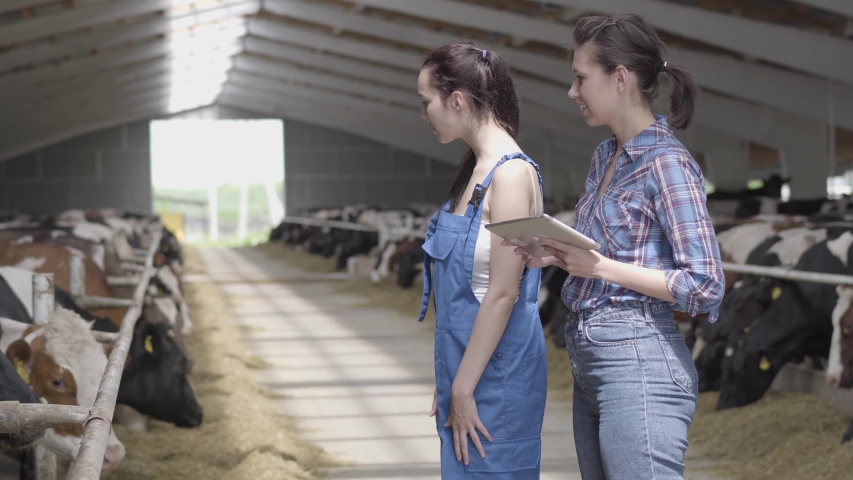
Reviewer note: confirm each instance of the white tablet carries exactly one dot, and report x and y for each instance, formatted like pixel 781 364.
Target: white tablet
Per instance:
pixel 520 232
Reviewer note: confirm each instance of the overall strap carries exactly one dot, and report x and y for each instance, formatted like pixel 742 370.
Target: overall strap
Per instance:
pixel 475 214
pixel 428 264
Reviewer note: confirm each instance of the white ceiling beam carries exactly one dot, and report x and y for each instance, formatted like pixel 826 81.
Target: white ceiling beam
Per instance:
pixel 32 54
pixel 128 115
pixel 93 108
pixel 573 133
pixel 11 5
pixel 544 66
pixel 403 80
pixel 322 61
pixel 77 18
pixel 367 107
pixel 225 47
pixel 25 140
pixel 810 52
pixel 782 89
pixel 99 79
pixel 530 90
pixel 80 101
pixel 378 129
pixel 842 7
pixel 270 68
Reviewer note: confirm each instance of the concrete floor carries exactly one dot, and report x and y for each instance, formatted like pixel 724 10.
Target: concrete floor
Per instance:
pixel 358 381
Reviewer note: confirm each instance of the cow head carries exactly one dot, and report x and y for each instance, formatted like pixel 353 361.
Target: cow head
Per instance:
pixel 155 380
pixel 753 358
pixel 64 365
pixel 746 302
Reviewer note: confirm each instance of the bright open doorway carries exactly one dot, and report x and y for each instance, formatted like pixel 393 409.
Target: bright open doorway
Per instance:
pixel 218 181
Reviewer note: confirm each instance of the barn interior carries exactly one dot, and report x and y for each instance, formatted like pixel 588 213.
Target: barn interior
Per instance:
pixel 87 87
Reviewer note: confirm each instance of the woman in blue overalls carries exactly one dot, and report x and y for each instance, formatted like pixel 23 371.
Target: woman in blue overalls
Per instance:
pixel 635 382
pixel 491 376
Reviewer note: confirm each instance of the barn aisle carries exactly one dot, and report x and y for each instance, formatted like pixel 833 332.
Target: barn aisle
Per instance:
pixel 358 380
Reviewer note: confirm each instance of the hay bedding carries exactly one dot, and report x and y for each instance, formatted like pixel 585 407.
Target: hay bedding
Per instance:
pixel 785 436
pixel 242 436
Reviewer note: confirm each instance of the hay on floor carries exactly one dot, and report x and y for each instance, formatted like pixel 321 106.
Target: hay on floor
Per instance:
pixel 243 436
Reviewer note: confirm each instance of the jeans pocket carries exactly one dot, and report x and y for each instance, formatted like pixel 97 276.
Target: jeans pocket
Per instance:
pixel 679 360
pixel 610 333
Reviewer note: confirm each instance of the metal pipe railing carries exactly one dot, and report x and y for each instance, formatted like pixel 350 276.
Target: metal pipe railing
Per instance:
pixel 789 274
pixel 97 420
pixel 15 416
pixel 316 222
pixel 90 459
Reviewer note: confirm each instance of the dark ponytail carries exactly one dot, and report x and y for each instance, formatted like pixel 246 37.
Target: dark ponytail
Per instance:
pixel 629 41
pixel 486 81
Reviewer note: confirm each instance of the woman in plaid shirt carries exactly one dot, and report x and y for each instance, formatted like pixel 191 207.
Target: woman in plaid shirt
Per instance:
pixel 635 382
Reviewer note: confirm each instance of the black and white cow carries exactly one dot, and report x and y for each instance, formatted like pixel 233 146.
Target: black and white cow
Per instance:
pixel 798 322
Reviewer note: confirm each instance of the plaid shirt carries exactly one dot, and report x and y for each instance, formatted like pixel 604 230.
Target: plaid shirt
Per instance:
pixel 652 214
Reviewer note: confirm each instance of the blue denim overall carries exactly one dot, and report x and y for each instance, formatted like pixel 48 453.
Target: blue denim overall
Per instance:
pixel 511 393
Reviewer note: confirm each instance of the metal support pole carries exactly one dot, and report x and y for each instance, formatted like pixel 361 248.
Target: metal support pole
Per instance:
pixel 45 463
pixel 15 416
pixel 43 297
pixel 76 276
pixel 98 253
pixel 788 274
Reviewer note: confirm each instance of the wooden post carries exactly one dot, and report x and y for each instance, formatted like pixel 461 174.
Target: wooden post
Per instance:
pixel 43 297
pixel 212 214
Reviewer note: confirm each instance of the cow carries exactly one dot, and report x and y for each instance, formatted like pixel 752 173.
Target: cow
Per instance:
pixel 155 379
pixel 55 259
pixel 64 364
pixel 798 322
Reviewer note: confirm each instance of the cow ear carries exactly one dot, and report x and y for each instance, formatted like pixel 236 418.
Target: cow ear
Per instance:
pixel 19 350
pixel 108 348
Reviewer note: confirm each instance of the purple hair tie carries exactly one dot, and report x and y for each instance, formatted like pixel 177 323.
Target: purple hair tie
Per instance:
pixel 484 55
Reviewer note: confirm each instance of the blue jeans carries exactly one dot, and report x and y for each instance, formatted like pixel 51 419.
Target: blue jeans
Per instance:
pixel 635 391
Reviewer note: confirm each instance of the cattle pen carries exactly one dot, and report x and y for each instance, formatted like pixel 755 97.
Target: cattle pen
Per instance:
pixel 790 378
pixel 97 420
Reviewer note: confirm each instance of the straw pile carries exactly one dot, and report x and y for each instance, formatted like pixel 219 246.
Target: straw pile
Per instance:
pixel 243 436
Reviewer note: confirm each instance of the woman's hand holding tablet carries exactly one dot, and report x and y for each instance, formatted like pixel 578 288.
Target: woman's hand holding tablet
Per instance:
pixel 521 232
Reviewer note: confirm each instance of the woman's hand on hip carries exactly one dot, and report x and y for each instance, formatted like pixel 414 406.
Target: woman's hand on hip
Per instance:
pixel 465 421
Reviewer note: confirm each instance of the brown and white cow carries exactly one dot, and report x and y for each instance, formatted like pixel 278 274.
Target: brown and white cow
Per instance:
pixel 54 259
pixel 63 364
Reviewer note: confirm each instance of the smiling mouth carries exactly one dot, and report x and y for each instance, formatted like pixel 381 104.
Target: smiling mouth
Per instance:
pixel 583 108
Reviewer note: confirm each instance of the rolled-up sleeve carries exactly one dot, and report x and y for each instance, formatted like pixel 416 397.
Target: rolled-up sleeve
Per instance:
pixel 678 197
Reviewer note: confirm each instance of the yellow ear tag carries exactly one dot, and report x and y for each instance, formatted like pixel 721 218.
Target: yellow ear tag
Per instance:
pixel 148 346
pixel 777 292
pixel 22 371
pixel 746 330
pixel 764 365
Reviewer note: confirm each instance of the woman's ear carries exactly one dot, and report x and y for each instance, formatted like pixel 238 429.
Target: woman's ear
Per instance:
pixel 620 76
pixel 456 102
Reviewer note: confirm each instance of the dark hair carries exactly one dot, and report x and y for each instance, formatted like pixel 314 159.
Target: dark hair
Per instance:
pixel 486 81
pixel 629 41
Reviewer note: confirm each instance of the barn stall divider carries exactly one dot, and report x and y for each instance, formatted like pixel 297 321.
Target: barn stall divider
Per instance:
pixel 96 420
